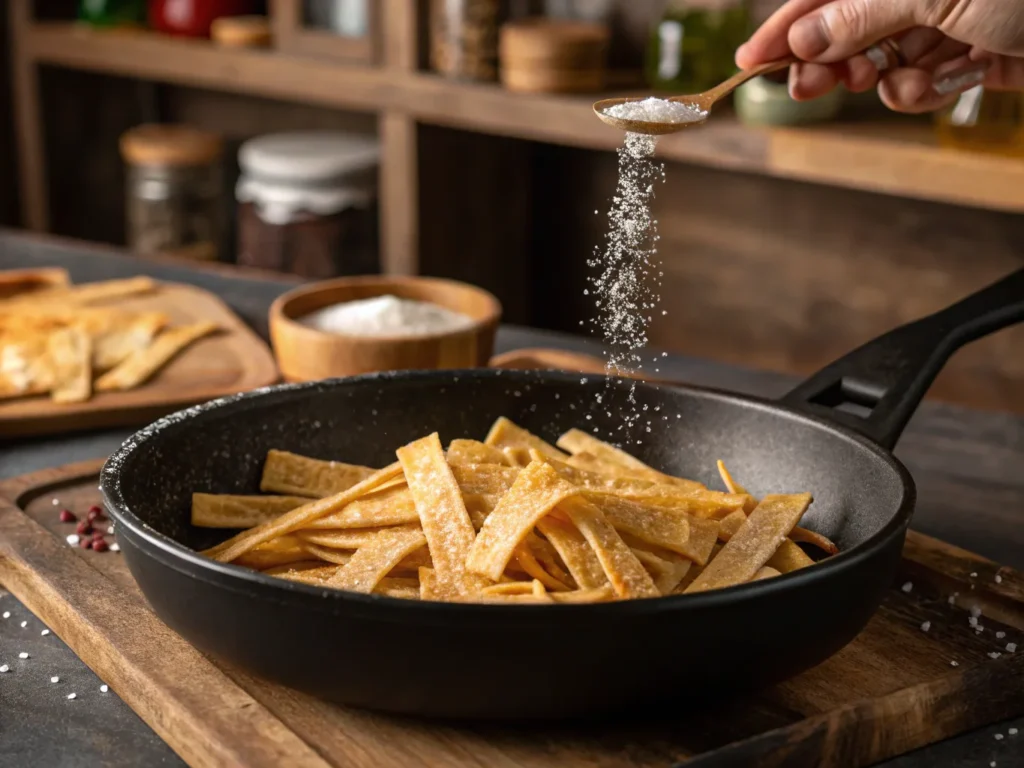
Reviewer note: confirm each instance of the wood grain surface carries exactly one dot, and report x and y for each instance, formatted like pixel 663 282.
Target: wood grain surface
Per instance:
pixel 230 361
pixel 892 690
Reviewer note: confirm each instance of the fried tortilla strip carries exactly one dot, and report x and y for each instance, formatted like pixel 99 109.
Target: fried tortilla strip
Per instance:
pixel 350 539
pixel 300 517
pixel 548 557
pixel 502 599
pixel 223 510
pixel 429 589
pixel 113 345
pixel 392 506
pixel 301 565
pixel 691 537
pixel 278 552
pixel 505 434
pixel 70 351
pixel 789 557
pixel 666 568
pixel 754 543
pixel 25 365
pixel 475 452
pixel 597 595
pixel 804 536
pixel 765 572
pixel 533 568
pixel 290 473
pixel 479 506
pixel 484 478
pixel 328 555
pixel 86 293
pixel 536 491
pixel 733 487
pixel 449 531
pixel 18 282
pixel 374 560
pixel 509 588
pixel 576 553
pixel 576 441
pixel 626 574
pixel 730 524
pixel 141 365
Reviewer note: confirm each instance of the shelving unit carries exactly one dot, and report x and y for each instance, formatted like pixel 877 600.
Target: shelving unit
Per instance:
pixel 898 157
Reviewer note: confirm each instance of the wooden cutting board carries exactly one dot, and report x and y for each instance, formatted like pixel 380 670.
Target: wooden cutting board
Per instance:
pixel 892 690
pixel 233 360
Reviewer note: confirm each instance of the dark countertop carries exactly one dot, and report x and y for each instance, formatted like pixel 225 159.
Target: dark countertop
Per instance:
pixel 967 465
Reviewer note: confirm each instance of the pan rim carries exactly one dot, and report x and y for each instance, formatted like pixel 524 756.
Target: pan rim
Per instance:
pixel 238 579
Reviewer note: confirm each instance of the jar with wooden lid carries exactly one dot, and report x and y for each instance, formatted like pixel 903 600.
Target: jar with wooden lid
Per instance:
pixel 175 201
pixel 464 38
pixel 307 204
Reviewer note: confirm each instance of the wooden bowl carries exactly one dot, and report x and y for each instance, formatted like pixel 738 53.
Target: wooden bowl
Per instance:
pixel 552 56
pixel 307 354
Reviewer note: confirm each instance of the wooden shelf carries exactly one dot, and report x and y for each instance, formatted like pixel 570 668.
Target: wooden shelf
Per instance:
pixel 898 157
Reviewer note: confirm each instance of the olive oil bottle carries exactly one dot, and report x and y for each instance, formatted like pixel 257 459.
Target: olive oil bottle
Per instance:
pixel 693 43
pixel 984 121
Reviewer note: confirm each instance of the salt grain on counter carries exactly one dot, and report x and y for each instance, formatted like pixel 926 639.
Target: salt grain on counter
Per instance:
pixel 654 110
pixel 926 626
pixel 1000 635
pixel 999 579
pixel 954 663
pixel 386 316
pixel 115 547
pixel 22 655
pixel 7 614
pixel 73 539
pixel 72 696
pixel 24 624
pixel 999 737
pixel 54 679
pixel 1011 647
pixel 45 632
pixel 975 611
pixel 1012 731
pixel 5 668
pixel 907 587
pixel 104 688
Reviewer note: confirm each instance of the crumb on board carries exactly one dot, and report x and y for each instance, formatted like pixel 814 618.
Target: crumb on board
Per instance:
pixel 908 587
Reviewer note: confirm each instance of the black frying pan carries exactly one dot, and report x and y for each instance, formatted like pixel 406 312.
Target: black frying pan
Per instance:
pixel 546 661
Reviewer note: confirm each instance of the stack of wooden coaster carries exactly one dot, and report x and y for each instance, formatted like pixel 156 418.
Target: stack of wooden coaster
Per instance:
pixel 553 56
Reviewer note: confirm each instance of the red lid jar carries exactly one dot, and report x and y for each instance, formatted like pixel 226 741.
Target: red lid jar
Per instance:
pixel 192 18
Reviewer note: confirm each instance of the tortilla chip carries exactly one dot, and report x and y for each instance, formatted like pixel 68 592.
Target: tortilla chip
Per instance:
pixel 143 364
pixel 222 510
pixel 290 473
pixel 114 345
pixel 375 559
pixel 789 557
pixel 754 543
pixel 392 506
pixel 70 351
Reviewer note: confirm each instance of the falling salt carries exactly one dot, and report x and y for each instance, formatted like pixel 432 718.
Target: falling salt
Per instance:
pixel 655 110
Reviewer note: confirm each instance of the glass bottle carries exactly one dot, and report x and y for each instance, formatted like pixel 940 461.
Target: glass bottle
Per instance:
pixel 692 46
pixel 112 13
pixel 984 121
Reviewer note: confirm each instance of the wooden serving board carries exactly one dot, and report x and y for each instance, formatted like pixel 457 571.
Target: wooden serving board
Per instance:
pixel 233 360
pixel 892 690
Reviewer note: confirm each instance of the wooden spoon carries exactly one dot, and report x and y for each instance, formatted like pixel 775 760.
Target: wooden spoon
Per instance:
pixel 703 101
pixel 541 358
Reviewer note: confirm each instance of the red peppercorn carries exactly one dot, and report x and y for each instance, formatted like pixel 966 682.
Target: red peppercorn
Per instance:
pixel 67 516
pixel 85 542
pixel 84 527
pixel 96 513
pixel 97 535
pixel 99 545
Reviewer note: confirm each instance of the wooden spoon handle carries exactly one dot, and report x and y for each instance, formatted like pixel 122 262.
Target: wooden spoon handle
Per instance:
pixel 560 360
pixel 722 90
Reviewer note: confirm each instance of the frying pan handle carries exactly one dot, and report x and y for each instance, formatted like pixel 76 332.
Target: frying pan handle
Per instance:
pixel 876 388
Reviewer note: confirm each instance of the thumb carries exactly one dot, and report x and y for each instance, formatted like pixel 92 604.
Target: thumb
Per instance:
pixel 843 28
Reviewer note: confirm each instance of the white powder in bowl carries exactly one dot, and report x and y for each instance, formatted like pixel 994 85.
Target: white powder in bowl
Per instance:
pixel 386 316
pixel 655 110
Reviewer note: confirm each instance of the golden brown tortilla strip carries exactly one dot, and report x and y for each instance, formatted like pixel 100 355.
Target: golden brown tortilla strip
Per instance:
pixel 70 351
pixel 285 549
pixel 533 568
pixel 509 588
pixel 730 524
pixel 17 282
pixel 804 536
pixel 475 452
pixel 691 537
pixel 505 434
pixel 290 473
pixel 25 365
pixel 392 506
pixel 86 293
pixel 141 365
pixel 223 510
pixel 449 531
pixel 300 517
pixel 535 492
pixel 375 559
pixel 484 478
pixel 578 556
pixel 789 557
pixel 754 543
pixel 765 572
pixel 576 441
pixel 666 568
pixel 113 345
pixel 548 557
pixel 626 574
pixel 596 595
pixel 733 487
pixel 350 538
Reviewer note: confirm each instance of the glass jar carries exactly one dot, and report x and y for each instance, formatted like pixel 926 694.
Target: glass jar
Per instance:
pixel 193 18
pixel 345 18
pixel 307 204
pixel 112 13
pixel 984 121
pixel 693 45
pixel 464 38
pixel 175 202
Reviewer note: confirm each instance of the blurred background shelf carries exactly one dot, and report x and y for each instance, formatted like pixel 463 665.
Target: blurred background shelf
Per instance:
pixel 897 157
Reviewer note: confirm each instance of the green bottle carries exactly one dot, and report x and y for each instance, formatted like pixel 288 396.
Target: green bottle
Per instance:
pixel 692 45
pixel 113 13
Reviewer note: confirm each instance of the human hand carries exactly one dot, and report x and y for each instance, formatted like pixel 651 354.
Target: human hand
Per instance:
pixel 956 44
